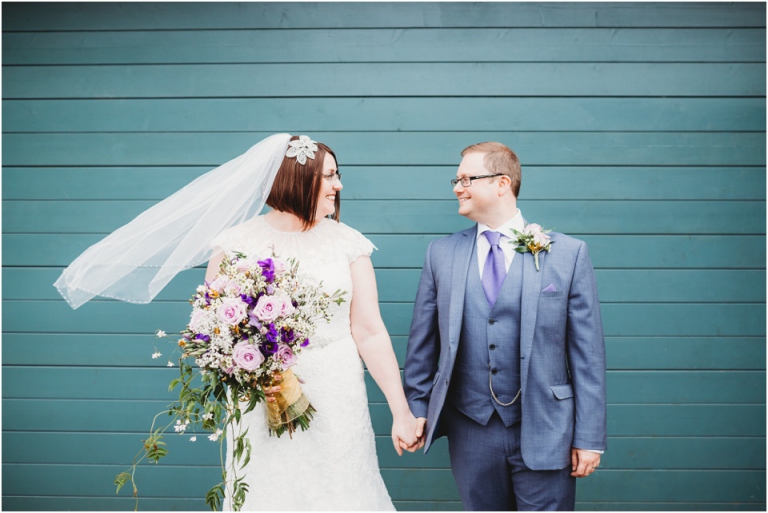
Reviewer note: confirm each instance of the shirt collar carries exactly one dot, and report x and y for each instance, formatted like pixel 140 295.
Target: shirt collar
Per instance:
pixel 517 222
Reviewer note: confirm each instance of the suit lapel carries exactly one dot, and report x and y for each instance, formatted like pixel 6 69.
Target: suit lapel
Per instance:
pixel 461 258
pixel 529 308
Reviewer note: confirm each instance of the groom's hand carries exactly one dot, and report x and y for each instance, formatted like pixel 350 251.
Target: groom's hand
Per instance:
pixel 583 463
pixel 421 434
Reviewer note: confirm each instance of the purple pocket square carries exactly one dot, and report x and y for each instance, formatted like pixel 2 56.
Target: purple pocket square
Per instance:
pixel 550 288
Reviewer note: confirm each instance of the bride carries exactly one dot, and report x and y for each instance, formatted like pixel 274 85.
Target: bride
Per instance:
pixel 333 465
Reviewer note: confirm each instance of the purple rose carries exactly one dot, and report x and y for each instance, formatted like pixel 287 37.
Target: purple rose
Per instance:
pixel 232 311
pixel 285 356
pixel 247 356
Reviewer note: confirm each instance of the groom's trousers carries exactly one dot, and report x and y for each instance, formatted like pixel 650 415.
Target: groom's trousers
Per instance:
pixel 490 473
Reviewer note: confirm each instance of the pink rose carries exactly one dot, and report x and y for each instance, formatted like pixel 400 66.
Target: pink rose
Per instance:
pixel 286 306
pixel 541 239
pixel 285 356
pixel 232 288
pixel 532 229
pixel 232 311
pixel 280 266
pixel 244 264
pixel 198 316
pixel 219 283
pixel 268 308
pixel 247 356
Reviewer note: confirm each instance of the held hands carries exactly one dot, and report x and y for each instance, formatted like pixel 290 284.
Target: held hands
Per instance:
pixel 407 432
pixel 583 463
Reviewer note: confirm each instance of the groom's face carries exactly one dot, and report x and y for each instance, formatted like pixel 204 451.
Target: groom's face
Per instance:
pixel 479 199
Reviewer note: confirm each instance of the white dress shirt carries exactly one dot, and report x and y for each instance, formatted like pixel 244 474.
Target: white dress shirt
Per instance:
pixel 483 246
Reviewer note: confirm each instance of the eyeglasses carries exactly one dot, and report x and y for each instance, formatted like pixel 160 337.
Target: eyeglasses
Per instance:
pixel 333 177
pixel 466 181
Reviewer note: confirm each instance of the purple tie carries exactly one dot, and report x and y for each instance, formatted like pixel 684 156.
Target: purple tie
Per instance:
pixel 495 270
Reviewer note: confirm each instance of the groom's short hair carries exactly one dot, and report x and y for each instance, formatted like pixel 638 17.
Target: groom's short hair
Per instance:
pixel 499 159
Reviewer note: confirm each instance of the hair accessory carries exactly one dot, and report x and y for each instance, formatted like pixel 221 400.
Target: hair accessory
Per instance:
pixel 301 149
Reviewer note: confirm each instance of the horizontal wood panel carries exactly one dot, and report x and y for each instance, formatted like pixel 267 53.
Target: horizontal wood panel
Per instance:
pixel 199 15
pixel 400 285
pixel 623 353
pixel 624 387
pixel 433 216
pixel 625 453
pixel 540 148
pixel 619 319
pixel 437 484
pixel 385 79
pixel 385 114
pixel 670 506
pixel 624 420
pixel 423 183
pixel 386 45
pixel 41 503
pixel 606 251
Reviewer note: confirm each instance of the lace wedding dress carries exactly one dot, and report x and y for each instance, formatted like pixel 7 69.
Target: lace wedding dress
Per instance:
pixel 332 465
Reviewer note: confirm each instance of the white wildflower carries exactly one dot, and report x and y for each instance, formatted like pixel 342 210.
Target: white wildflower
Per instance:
pixel 215 436
pixel 208 416
pixel 157 354
pixel 170 364
pixel 159 333
pixel 179 427
pixel 193 439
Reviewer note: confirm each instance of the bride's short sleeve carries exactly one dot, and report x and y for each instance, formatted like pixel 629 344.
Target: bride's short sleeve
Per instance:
pixel 355 244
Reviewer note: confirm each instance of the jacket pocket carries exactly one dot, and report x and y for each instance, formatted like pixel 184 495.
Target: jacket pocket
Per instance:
pixel 562 391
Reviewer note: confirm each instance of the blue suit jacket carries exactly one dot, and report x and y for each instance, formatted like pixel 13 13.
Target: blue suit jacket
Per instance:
pixel 562 349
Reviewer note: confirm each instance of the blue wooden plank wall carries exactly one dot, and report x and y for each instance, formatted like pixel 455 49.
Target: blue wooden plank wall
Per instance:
pixel 641 129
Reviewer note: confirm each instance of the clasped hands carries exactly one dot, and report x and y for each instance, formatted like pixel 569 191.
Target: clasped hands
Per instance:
pixel 408 433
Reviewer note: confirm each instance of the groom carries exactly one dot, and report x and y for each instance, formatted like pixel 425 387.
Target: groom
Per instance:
pixel 505 360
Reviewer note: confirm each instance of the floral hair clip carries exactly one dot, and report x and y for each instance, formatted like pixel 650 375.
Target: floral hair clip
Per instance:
pixel 301 149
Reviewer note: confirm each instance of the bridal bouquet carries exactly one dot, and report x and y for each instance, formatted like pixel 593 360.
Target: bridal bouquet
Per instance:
pixel 246 330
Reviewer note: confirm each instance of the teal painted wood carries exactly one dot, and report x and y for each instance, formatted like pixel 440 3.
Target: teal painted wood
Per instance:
pixel 606 251
pixel 433 216
pixel 626 453
pixel 624 420
pixel 399 285
pixel 427 148
pixel 386 45
pixel 107 16
pixel 619 319
pixel 671 118
pixel 427 484
pixel 427 182
pixel 624 353
pixel 385 114
pixel 385 79
pixel 182 504
pixel 624 387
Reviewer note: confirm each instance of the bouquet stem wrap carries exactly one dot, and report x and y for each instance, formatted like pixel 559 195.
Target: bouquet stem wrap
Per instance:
pixel 291 407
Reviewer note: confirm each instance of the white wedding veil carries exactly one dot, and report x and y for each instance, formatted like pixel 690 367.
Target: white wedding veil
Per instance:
pixel 136 261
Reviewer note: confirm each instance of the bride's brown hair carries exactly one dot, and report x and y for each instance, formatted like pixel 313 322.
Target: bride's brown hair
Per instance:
pixel 297 186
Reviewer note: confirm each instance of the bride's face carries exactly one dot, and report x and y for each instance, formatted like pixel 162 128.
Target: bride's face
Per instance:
pixel 330 184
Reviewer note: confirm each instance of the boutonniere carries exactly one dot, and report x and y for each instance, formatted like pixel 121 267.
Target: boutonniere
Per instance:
pixel 532 239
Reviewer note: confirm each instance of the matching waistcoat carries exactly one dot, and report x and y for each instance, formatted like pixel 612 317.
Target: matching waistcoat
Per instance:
pixel 489 345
